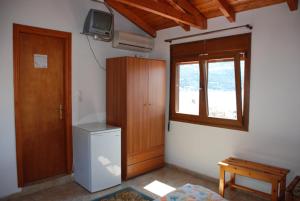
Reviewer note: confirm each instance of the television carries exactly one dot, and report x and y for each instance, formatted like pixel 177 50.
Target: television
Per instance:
pixel 99 24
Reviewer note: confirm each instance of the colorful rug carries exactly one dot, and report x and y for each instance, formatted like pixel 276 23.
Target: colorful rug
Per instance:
pixel 126 194
pixel 190 192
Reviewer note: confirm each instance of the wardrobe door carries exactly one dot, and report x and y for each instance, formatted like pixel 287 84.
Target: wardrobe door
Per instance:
pixel 156 104
pixel 137 100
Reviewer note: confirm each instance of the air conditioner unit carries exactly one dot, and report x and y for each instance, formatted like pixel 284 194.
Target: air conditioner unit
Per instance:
pixel 131 41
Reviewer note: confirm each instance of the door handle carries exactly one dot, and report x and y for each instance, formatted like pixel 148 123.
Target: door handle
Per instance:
pixel 61 111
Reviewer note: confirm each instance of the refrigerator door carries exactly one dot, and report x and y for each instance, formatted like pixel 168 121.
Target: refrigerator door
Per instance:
pixel 81 157
pixel 105 160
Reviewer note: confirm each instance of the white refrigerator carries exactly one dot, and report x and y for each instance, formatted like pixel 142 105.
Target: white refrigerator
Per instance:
pixel 97 156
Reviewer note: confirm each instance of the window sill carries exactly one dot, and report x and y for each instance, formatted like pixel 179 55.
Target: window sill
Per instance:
pixel 217 125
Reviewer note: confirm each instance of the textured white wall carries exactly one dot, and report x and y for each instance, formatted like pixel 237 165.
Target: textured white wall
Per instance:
pixel 88 79
pixel 274 127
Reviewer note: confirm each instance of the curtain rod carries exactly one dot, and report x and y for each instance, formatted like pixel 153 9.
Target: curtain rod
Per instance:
pixel 248 26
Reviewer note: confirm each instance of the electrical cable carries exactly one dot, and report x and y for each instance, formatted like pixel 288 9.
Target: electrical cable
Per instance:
pixel 97 61
pixel 103 39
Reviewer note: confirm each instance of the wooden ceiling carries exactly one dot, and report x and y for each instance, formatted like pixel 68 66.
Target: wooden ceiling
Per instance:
pixel 154 15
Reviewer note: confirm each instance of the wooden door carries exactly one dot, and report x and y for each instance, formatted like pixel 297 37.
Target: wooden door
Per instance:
pixel 156 103
pixel 42 101
pixel 137 105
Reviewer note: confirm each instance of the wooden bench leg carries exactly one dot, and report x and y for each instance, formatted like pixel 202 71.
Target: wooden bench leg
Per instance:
pixel 274 192
pixel 222 181
pixel 232 180
pixel 282 189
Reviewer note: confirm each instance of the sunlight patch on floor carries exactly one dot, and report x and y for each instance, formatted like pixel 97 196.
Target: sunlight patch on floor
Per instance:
pixel 159 188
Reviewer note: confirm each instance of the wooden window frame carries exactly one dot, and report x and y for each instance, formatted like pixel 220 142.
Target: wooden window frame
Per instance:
pixel 179 116
pixel 242 122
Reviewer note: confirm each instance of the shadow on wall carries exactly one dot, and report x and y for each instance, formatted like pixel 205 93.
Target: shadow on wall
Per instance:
pixel 86 110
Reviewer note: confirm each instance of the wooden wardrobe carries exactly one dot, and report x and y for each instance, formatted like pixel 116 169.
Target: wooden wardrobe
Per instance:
pixel 135 101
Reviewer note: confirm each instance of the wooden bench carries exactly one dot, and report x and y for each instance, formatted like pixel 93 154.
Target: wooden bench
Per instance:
pixel 291 195
pixel 270 174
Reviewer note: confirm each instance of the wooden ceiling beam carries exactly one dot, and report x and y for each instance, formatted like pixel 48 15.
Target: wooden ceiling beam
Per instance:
pixel 190 8
pixel 184 26
pixel 165 10
pixel 132 17
pixel 226 9
pixel 293 4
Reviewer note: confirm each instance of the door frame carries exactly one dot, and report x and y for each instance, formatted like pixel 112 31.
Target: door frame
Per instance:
pixel 67 37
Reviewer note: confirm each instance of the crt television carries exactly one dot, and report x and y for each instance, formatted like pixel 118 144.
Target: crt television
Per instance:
pixel 99 24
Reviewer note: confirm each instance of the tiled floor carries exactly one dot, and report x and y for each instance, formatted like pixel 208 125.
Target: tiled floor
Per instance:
pixel 168 175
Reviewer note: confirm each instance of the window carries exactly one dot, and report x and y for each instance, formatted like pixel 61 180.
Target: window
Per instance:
pixel 221 90
pixel 187 92
pixel 211 87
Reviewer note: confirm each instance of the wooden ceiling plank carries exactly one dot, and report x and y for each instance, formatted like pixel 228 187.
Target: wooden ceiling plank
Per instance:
pixel 175 5
pixel 165 10
pixel 293 4
pixel 184 26
pixel 190 8
pixel 226 9
pixel 132 17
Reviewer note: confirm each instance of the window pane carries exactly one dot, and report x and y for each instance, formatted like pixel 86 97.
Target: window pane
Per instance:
pixel 188 76
pixel 242 66
pixel 221 89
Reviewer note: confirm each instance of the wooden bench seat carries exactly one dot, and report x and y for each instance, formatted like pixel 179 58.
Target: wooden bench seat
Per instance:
pixel 270 174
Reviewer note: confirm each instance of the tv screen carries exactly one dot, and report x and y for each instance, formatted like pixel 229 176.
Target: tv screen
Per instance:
pixel 102 21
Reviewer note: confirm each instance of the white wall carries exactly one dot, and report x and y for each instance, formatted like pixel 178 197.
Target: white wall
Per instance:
pixel 88 79
pixel 274 128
